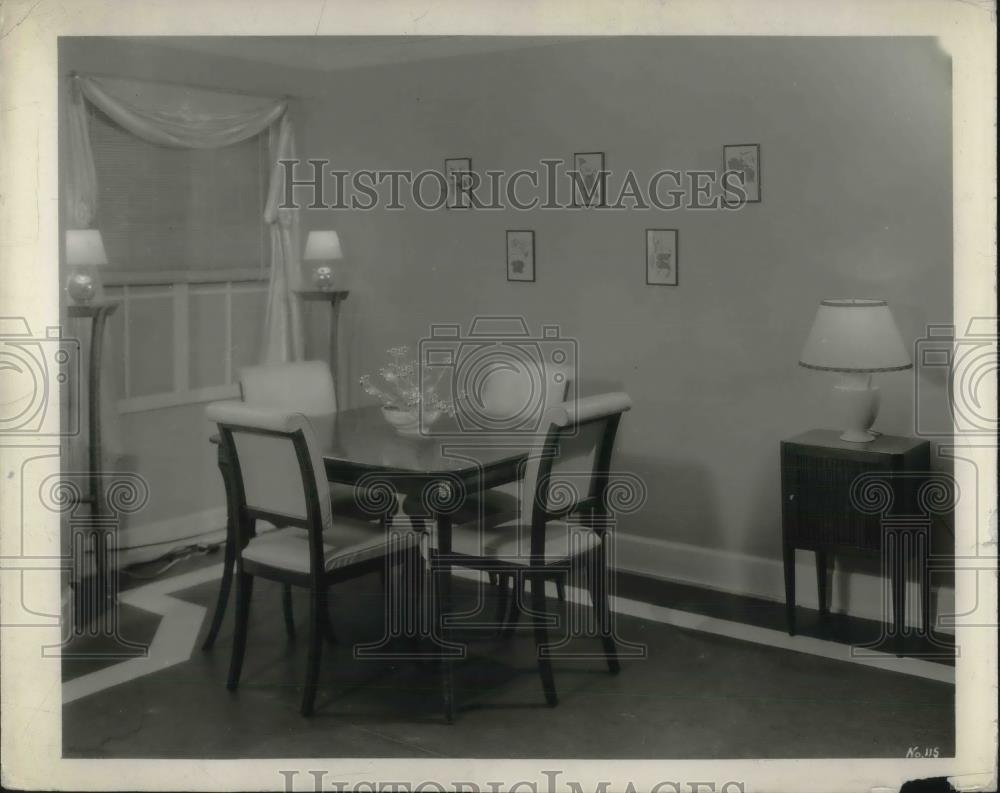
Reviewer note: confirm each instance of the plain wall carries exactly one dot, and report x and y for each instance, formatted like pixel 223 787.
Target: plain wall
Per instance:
pixel 855 136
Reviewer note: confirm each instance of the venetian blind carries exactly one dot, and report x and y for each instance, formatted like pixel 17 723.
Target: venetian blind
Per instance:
pixel 178 211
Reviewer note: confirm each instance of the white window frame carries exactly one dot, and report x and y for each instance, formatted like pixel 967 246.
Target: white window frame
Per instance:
pixel 179 287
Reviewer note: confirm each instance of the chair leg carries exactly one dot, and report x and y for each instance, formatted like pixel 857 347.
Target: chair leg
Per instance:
pixel 317 608
pixel 561 589
pixel 542 639
pixel 286 607
pixel 328 633
pixel 502 586
pixel 517 598
pixel 599 599
pixel 244 590
pixel 228 562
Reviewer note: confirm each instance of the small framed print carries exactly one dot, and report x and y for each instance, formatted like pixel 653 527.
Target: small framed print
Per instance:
pixel 744 158
pixel 520 255
pixel 589 179
pixel 661 257
pixel 458 171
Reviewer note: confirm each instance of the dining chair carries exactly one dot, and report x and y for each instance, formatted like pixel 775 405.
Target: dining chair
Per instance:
pixel 506 391
pixel 280 478
pixel 562 525
pixel 305 387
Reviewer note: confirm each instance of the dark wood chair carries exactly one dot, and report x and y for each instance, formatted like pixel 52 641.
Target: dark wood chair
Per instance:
pixel 508 392
pixel 305 387
pixel 563 523
pixel 278 476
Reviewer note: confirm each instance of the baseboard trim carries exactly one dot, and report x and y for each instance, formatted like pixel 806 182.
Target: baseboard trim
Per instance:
pixel 853 593
pixel 150 540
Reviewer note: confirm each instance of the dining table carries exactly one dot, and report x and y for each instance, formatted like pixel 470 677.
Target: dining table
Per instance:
pixel 429 477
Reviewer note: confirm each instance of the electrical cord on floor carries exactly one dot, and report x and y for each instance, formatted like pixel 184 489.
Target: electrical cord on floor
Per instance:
pixel 169 559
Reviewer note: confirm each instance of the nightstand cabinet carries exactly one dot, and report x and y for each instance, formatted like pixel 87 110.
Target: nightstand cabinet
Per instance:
pixel 838 497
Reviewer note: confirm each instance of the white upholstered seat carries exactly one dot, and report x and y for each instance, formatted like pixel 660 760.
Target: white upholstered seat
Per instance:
pixel 343 546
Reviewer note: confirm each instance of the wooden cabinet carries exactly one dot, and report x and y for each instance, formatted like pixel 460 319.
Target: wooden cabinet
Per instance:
pixel 840 497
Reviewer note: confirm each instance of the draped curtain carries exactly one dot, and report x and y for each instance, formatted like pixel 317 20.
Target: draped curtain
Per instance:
pixel 182 121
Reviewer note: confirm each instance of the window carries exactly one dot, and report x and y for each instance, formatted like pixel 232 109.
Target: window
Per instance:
pixel 178 343
pixel 188 260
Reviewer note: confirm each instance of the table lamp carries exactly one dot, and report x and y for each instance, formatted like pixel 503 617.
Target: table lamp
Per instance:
pixel 323 247
pixel 84 254
pixel 856 337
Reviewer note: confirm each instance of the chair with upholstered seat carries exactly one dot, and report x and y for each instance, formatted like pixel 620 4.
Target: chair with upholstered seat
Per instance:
pixel 506 394
pixel 279 477
pixel 305 387
pixel 562 526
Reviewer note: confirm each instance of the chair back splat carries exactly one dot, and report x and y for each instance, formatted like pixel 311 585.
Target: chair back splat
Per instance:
pixel 305 387
pixel 278 474
pixel 570 471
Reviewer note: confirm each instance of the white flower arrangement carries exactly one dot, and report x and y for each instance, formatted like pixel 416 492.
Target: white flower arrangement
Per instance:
pixel 400 387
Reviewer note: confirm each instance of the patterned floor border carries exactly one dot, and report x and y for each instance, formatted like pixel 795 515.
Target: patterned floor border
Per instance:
pixel 181 622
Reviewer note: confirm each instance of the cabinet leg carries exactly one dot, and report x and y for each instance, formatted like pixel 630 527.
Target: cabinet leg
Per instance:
pixel 821 580
pixel 789 559
pixel 898 567
pixel 924 575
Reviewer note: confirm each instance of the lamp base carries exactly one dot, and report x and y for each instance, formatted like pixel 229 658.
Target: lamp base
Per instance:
pixel 81 287
pixel 855 436
pixel 856 402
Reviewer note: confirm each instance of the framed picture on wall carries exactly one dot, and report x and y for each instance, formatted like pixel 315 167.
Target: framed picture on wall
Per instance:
pixel 458 171
pixel 661 257
pixel 520 255
pixel 745 159
pixel 589 179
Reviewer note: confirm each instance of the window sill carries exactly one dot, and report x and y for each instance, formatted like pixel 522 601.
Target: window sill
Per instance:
pixel 112 278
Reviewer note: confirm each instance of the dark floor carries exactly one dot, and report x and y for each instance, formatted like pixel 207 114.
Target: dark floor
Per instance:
pixel 695 695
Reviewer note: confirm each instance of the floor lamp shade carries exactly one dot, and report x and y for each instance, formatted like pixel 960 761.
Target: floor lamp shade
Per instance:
pixel 856 337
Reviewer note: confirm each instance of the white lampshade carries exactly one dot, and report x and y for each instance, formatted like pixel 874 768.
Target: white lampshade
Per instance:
pixel 323 246
pixel 85 247
pixel 855 335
